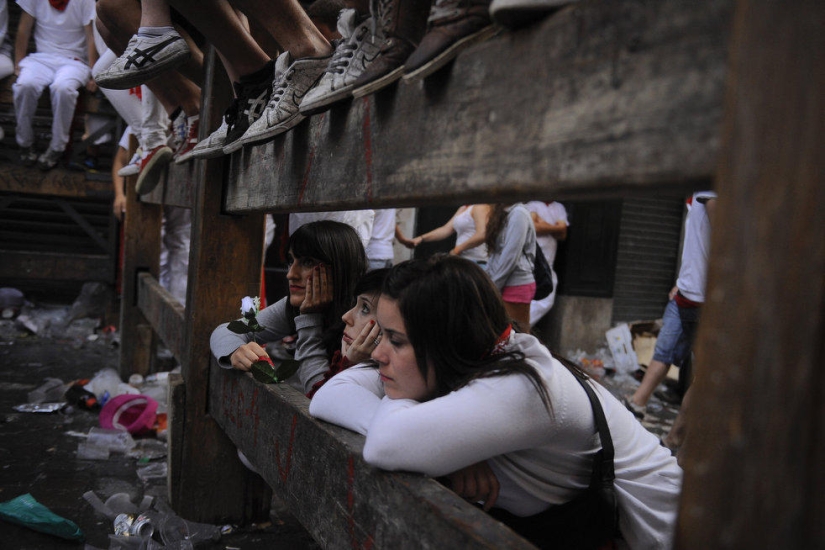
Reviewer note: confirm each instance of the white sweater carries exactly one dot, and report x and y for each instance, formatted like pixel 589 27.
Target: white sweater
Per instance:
pixel 540 459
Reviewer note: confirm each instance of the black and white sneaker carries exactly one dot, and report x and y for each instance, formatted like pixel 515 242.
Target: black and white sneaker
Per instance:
pixel 145 57
pixel 252 94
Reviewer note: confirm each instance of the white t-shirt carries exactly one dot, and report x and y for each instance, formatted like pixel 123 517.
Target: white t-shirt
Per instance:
pixel 61 32
pixel 551 213
pixel 383 232
pixel 540 459
pixel 694 269
pixel 360 220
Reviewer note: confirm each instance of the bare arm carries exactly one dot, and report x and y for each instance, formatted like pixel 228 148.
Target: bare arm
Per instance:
pixel 119 161
pixel 21 42
pixel 557 230
pixel 90 44
pixel 400 237
pixel 439 233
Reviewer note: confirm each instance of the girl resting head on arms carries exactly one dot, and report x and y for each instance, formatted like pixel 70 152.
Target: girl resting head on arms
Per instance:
pixel 361 333
pixel 456 386
pixel 326 259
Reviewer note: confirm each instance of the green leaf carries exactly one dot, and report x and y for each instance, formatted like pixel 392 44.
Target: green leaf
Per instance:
pixel 238 327
pixel 287 368
pixel 263 372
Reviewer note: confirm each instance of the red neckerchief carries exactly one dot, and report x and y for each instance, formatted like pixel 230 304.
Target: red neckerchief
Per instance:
pixel 501 342
pixel 59 5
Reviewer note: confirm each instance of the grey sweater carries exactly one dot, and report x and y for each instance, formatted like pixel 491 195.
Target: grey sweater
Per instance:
pixel 511 264
pixel 309 349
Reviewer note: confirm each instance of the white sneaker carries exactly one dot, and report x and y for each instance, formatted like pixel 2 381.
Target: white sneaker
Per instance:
pixel 212 146
pixel 513 13
pixel 357 48
pixel 292 83
pixel 133 167
pixel 145 57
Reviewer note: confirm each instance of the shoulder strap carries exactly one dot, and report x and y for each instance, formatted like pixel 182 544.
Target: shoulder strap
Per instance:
pixel 602 472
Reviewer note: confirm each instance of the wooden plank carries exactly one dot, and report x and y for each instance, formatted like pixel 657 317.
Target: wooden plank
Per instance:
pixel 59 182
pixel 318 470
pixel 163 311
pixel 753 472
pixel 56 266
pixel 602 98
pixel 141 245
pixel 224 265
pixel 177 188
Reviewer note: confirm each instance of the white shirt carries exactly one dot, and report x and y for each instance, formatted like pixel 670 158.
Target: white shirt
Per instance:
pixel 551 213
pixel 383 233
pixel 540 460
pixel 61 32
pixel 694 269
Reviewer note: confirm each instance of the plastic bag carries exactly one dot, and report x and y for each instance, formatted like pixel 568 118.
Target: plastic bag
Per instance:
pixel 26 511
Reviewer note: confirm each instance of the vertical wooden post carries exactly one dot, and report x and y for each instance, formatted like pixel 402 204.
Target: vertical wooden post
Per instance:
pixel 141 245
pixel 207 481
pixel 754 462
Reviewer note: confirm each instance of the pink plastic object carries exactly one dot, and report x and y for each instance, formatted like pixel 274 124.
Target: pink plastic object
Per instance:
pixel 133 413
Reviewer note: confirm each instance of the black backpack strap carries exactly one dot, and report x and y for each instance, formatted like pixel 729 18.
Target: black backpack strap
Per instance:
pixel 603 471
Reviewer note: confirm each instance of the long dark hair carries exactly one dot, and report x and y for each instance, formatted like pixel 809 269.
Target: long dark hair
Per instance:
pixel 495 224
pixel 337 245
pixel 454 316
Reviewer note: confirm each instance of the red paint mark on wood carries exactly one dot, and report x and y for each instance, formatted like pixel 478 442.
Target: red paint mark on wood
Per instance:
pixel 283 470
pixel 310 157
pixel 356 545
pixel 367 137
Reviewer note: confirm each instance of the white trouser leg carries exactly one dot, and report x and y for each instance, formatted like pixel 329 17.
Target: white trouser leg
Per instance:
pixel 126 102
pixel 33 79
pixel 175 235
pixel 6 66
pixel 154 121
pixel 539 308
pixel 68 79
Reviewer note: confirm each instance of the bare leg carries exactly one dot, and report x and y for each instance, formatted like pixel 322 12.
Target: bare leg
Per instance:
pixel 520 313
pixel 655 375
pixel 221 26
pixel 289 24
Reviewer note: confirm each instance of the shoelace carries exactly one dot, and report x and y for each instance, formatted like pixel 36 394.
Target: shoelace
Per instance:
pixel 279 88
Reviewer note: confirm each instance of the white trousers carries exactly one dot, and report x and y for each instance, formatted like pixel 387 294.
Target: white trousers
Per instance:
pixel 6 66
pixel 147 117
pixel 174 251
pixel 539 308
pixel 64 77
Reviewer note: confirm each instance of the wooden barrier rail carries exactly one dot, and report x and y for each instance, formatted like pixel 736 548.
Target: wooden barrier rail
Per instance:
pixel 626 97
pixel 317 469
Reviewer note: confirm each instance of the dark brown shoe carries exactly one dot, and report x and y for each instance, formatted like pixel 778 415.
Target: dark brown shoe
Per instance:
pixel 401 23
pixel 453 26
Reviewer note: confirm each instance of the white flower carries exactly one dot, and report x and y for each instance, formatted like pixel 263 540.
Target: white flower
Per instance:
pixel 250 305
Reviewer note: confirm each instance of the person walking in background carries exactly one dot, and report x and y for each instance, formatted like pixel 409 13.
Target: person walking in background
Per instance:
pixel 511 245
pixel 550 221
pixel 469 225
pixel 681 315
pixel 65 53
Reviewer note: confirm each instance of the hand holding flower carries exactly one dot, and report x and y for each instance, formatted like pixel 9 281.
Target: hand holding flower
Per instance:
pixel 245 356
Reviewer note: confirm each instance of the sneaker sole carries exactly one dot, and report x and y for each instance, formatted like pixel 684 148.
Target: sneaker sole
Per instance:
pixel 145 184
pixel 269 133
pixel 124 173
pixel 325 102
pixel 379 83
pixel 447 55
pixel 133 79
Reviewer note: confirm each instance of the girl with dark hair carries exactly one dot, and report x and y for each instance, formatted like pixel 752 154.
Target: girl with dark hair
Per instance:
pixel 361 332
pixel 456 387
pixel 326 260
pixel 511 247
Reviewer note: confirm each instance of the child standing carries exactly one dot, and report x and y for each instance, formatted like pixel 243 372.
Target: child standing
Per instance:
pixel 64 54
